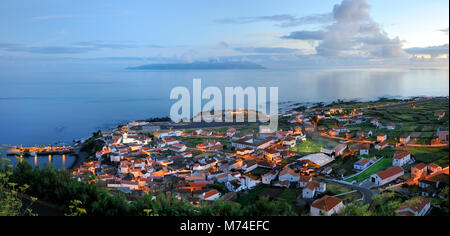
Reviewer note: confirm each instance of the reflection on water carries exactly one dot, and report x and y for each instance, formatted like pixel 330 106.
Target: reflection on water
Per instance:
pixel 57 161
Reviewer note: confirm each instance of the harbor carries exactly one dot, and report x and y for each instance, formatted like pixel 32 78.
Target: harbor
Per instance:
pixel 39 151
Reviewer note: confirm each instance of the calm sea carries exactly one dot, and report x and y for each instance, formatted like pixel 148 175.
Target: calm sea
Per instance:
pixel 45 107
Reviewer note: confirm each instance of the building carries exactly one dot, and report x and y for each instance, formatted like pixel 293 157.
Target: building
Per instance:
pixel 390 126
pixel 442 134
pixel 362 164
pixel 415 207
pixel 381 138
pixel 339 149
pixel 304 180
pixel 401 158
pixel 418 170
pixel 382 145
pixel 319 159
pixel 364 149
pixel 289 175
pixel 253 143
pixel 387 176
pixel 312 188
pixel 375 122
pixel 211 195
pixel 327 205
pixel 404 139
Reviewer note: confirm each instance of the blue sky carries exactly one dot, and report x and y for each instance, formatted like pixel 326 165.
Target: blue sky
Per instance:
pixel 288 32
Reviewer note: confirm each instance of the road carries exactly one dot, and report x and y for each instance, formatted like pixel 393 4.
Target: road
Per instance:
pixel 367 193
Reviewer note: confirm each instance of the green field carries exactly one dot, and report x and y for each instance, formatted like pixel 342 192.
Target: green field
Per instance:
pixel 429 155
pixel 379 166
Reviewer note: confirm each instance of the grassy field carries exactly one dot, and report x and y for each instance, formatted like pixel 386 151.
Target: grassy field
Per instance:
pixel 430 155
pixel 379 166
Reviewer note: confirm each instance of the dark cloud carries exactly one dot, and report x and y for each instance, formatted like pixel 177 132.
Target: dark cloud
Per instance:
pixel 353 32
pixel 306 35
pixel 433 51
pixel 267 50
pixel 283 20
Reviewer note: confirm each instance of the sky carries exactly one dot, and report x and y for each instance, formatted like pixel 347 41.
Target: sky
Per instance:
pixel 278 34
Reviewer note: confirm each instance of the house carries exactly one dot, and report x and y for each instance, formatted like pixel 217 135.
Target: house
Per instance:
pixel 442 134
pixel 244 151
pixel 381 138
pixel 235 185
pixel 170 141
pixel 268 177
pixel 326 205
pixel 401 158
pixel 283 184
pixel 178 147
pixel 341 129
pixel 231 132
pixel 289 175
pixel 211 195
pixel 313 187
pixel 404 139
pixel 216 148
pixel 327 170
pixel 375 122
pixel 253 143
pixel 304 180
pixel 362 164
pixel 433 168
pixel 283 134
pixel 309 129
pixel 250 167
pixel 364 149
pixel 387 176
pixel 390 126
pixel 419 170
pixel 418 206
pixel 339 149
pixel 335 110
pixel 382 145
pixel 439 114
pixel 290 141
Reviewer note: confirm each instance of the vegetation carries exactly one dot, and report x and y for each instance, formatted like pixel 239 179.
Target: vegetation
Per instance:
pixel 81 198
pixel 375 168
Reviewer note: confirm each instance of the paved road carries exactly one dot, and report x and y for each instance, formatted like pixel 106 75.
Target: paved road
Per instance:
pixel 367 193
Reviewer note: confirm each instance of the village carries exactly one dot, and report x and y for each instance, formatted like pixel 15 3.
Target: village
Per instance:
pixel 319 160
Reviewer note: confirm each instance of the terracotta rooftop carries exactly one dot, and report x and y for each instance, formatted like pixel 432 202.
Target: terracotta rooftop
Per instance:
pixel 326 203
pixel 390 172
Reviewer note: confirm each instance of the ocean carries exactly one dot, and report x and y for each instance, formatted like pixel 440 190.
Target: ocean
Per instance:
pixel 48 106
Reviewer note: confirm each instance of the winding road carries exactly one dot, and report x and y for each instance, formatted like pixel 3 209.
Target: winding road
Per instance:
pixel 367 193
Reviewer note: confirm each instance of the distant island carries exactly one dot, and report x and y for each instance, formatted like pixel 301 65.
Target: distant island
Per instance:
pixel 201 66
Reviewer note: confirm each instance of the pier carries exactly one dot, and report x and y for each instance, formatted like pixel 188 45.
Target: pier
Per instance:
pixel 33 151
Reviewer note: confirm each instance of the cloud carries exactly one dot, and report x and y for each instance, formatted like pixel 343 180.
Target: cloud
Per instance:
pixel 353 33
pixel 433 51
pixel 306 35
pixel 445 31
pixel 267 50
pixel 283 20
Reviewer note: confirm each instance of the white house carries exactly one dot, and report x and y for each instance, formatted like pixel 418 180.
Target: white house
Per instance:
pixel 401 158
pixel 211 195
pixel 327 205
pixel 313 187
pixel 289 175
pixel 304 180
pixel 387 176
pixel 381 138
pixel 364 149
pixel 362 164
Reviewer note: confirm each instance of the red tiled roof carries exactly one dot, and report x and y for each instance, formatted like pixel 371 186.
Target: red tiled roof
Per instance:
pixel 210 193
pixel 363 161
pixel 416 204
pixel 326 203
pixel 400 155
pixel 390 172
pixel 312 185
